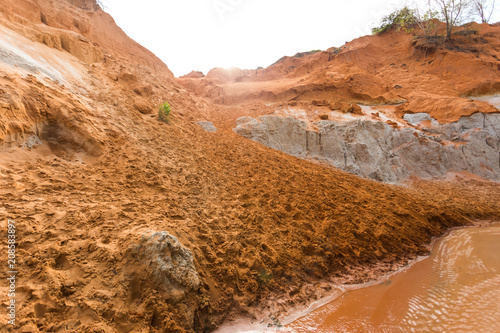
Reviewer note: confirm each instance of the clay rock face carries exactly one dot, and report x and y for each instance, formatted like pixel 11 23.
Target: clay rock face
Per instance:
pixel 207 126
pixel 418 118
pixel 85 4
pixel 80 47
pixel 169 263
pixel 288 134
pixel 375 150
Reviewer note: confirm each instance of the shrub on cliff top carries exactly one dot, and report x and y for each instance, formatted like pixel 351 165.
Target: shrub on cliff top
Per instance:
pixel 401 19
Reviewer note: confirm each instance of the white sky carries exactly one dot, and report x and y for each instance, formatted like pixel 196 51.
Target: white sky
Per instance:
pixel 203 34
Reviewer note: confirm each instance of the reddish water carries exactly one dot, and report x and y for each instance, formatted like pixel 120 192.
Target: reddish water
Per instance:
pixel 456 289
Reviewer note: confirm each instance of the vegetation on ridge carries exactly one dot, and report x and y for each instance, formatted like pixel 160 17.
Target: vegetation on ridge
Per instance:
pixel 451 12
pixel 401 19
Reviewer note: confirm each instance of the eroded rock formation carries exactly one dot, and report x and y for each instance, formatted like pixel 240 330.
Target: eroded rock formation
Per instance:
pixel 376 150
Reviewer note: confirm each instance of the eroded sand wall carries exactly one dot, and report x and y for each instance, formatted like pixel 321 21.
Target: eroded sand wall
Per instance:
pixel 378 151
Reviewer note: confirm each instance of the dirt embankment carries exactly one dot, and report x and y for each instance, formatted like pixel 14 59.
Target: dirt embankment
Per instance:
pixel 426 75
pixel 128 224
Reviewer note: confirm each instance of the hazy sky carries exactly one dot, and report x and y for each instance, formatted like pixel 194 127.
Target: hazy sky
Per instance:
pixel 203 34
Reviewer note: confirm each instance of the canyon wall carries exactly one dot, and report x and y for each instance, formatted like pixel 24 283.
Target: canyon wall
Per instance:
pixel 376 150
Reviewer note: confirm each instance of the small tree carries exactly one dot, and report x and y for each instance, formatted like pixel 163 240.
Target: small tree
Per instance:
pixel 452 12
pixel 484 9
pixel 426 18
pixel 164 112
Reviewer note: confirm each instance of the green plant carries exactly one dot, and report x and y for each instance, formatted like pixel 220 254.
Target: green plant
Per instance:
pixel 276 322
pixel 264 276
pixel 401 19
pixel 336 50
pixel 164 112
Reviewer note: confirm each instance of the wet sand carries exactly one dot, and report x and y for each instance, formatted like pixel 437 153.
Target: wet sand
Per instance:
pixel 456 289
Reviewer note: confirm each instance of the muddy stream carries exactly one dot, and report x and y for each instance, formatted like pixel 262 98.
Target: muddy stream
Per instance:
pixel 455 289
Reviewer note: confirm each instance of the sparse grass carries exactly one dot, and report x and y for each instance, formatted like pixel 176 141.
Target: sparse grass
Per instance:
pixel 336 50
pixel 277 322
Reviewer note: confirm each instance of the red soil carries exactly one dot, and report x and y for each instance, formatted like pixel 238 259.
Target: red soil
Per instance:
pixel 435 77
pixel 267 230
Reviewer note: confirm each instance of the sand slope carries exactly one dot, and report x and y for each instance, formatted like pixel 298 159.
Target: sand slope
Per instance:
pixel 89 175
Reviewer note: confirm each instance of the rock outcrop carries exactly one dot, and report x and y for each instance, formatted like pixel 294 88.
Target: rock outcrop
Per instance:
pixel 373 149
pixel 170 268
pixel 171 264
pixel 207 126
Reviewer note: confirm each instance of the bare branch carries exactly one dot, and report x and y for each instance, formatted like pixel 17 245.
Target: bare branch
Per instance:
pixel 484 9
pixel 452 13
